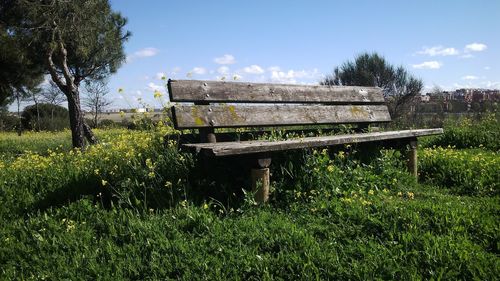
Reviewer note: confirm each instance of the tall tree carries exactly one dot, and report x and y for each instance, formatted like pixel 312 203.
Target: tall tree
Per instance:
pixel 35 96
pixel 74 40
pixel 398 85
pixel 96 99
pixel 17 69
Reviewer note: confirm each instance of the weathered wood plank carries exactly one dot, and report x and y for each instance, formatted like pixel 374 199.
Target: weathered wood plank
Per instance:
pixel 219 91
pixel 221 116
pixel 249 147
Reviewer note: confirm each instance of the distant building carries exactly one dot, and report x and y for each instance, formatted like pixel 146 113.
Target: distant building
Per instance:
pixel 425 98
pixel 467 95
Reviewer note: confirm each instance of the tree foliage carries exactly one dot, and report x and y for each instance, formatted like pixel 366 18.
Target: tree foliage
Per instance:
pixel 17 69
pixel 399 86
pixel 73 40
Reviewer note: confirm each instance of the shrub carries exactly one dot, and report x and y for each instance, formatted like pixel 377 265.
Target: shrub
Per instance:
pixel 133 169
pixel 8 122
pixel 467 133
pixel 108 124
pixel 329 173
pixel 52 117
pixel 465 172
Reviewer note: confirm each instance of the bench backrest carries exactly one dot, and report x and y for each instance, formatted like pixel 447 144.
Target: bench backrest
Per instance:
pixel 219 104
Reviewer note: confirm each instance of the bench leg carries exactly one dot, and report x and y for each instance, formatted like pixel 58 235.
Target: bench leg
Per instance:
pixel 413 159
pixel 260 179
pixel 207 135
pixel 260 184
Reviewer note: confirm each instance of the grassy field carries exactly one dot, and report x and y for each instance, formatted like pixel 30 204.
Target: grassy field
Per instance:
pixel 134 207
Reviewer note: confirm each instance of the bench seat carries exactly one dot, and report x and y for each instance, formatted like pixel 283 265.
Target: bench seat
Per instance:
pixel 263 146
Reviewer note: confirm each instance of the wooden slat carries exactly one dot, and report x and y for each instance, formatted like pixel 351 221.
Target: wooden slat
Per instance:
pixel 249 147
pixel 220 116
pixel 218 91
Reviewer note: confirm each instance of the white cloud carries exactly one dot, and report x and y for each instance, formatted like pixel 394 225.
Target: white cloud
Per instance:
pixel 470 77
pixel 225 59
pixel 486 84
pixel 199 70
pixel 438 51
pixel 223 70
pixel 154 87
pixel 274 68
pixel 146 52
pixel 492 85
pixel 292 76
pixel 428 65
pixel 475 47
pixel 253 69
pixel 143 53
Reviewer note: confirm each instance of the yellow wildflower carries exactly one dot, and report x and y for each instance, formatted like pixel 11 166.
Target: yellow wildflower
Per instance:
pixel 157 94
pixel 364 202
pixel 410 195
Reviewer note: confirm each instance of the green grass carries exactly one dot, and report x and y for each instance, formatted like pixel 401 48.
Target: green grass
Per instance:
pixel 430 236
pixel 13 145
pixel 131 208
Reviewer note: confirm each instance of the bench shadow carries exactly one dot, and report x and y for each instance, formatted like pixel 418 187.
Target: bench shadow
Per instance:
pixel 74 191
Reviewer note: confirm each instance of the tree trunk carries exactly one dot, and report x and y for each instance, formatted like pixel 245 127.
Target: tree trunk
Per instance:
pixel 79 129
pixel 91 138
pixel 20 125
pixel 37 117
pixel 75 119
pixel 52 117
pixel 96 110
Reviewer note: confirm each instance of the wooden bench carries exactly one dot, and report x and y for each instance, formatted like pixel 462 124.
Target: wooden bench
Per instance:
pixel 206 105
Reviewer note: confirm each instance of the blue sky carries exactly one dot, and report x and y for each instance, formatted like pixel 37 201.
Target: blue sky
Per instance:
pixel 451 44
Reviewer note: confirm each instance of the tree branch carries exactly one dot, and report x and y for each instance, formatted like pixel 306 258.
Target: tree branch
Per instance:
pixel 53 70
pixel 64 62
